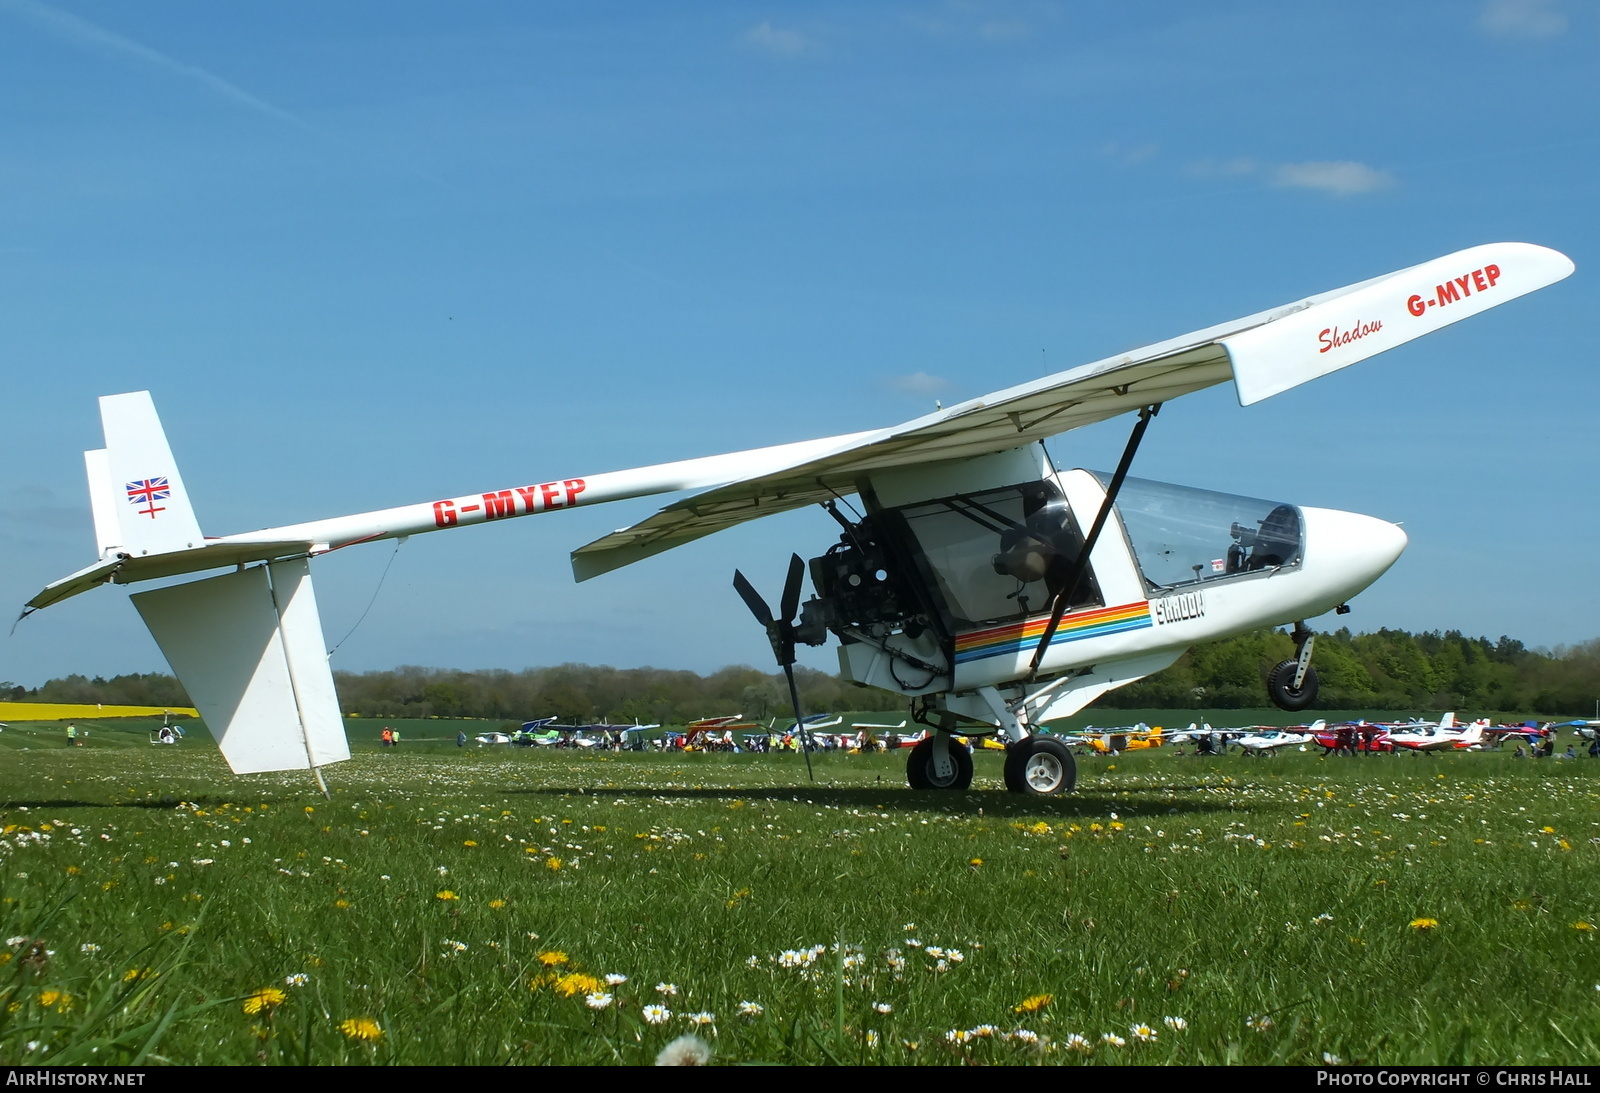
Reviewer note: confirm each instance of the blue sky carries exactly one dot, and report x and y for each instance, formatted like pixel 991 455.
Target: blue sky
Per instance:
pixel 373 254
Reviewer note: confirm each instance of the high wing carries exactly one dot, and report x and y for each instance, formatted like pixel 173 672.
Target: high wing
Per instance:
pixel 1264 354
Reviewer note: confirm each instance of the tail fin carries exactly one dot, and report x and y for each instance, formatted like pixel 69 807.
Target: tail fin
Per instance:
pixel 1448 721
pixel 136 478
pixel 248 647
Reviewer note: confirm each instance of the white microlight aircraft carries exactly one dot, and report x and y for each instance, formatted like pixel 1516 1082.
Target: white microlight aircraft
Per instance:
pixel 979 582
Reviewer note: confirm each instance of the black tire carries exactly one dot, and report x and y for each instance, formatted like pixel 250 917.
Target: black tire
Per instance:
pixel 1040 767
pixel 1280 687
pixel 919 767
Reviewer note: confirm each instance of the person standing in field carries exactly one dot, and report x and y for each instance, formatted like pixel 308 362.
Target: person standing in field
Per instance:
pixel 72 736
pixel 385 739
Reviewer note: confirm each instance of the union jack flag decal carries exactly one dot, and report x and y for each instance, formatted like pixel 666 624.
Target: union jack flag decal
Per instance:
pixel 147 492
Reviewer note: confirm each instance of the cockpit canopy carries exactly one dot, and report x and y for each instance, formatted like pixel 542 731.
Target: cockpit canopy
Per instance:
pixel 1184 536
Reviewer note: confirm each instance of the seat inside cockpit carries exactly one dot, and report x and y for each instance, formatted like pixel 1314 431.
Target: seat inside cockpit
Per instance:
pixel 1184 536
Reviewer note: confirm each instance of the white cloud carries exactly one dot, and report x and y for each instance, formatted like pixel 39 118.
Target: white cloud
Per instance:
pixel 990 20
pixel 919 383
pixel 780 40
pixel 1523 18
pixel 1129 155
pixel 86 35
pixel 1341 177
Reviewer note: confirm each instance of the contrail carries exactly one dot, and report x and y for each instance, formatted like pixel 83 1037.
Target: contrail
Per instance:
pixel 84 34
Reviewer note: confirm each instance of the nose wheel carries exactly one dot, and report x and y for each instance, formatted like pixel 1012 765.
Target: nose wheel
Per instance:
pixel 1040 766
pixel 1292 685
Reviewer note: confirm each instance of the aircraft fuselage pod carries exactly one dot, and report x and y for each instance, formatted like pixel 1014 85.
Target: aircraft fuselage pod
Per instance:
pixel 945 587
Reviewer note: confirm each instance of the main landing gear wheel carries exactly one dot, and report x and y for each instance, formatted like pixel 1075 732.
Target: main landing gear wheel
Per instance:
pixel 920 770
pixel 1040 767
pixel 1281 688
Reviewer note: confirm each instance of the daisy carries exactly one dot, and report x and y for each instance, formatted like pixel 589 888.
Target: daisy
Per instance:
pixel 656 1015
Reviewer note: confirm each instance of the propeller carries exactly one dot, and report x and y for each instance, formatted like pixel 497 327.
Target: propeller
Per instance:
pixel 781 634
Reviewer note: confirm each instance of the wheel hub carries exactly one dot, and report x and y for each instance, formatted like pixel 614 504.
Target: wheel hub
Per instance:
pixel 1043 772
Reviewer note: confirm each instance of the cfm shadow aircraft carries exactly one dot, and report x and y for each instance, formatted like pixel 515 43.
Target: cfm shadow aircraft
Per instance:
pixel 990 589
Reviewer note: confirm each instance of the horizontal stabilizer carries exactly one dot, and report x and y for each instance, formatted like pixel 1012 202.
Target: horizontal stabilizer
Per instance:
pixel 248 647
pixel 126 570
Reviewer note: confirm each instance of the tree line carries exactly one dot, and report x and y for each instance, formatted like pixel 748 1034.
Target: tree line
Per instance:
pixel 1389 669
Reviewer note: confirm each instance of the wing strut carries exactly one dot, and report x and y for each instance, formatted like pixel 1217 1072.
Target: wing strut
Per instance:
pixel 1070 588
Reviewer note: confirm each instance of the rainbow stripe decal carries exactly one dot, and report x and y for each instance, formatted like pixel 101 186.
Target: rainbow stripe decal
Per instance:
pixel 1016 637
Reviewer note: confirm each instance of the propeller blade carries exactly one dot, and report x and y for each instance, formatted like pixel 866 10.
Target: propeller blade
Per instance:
pixel 752 599
pixel 791 588
pixel 800 721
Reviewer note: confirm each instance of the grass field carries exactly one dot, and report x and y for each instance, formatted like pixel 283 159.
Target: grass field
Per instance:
pixel 467 906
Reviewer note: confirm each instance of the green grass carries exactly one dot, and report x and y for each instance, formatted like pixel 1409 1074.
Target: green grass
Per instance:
pixel 1267 903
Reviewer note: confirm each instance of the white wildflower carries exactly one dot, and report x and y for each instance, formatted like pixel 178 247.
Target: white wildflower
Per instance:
pixel 656 1015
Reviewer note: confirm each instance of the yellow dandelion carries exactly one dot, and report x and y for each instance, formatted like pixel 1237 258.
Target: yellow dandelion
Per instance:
pixel 470 842
pixel 497 903
pixel 550 958
pixel 341 903
pixel 1033 1003
pixel 574 983
pixel 552 863
pixel 133 974
pixel 60 1001
pixel 1582 926
pixel 73 870
pixel 1040 828
pixel 446 895
pixel 263 1000
pixel 1423 924
pixel 361 1028
pixel 310 809
pixel 975 862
